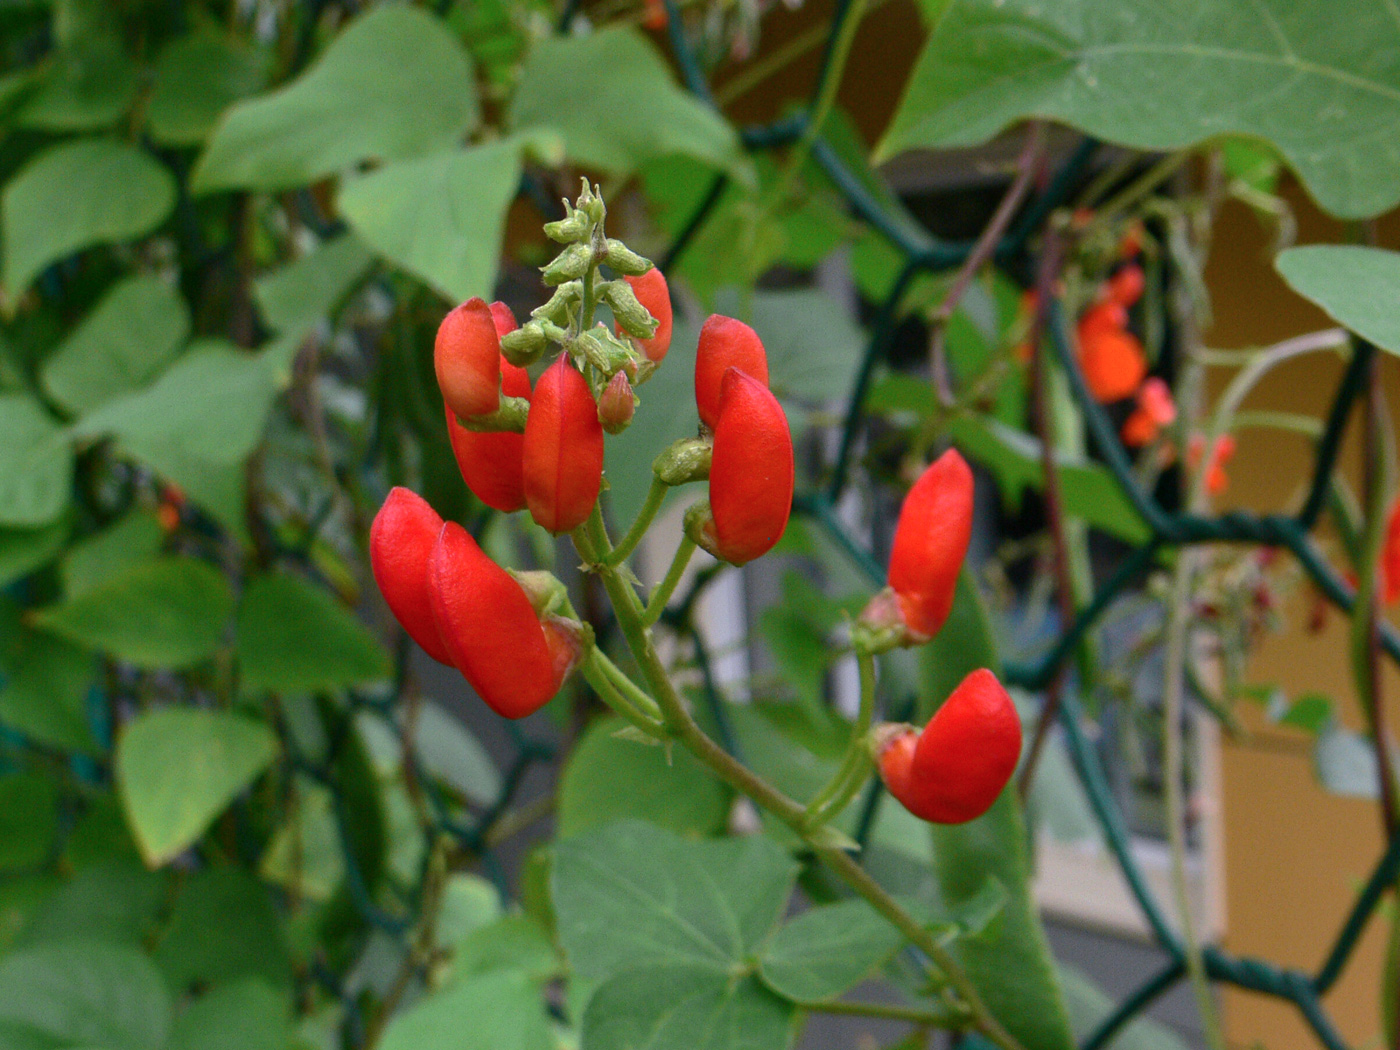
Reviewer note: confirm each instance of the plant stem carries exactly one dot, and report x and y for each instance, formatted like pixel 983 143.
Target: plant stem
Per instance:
pixel 891 1011
pixel 838 792
pixel 618 677
pixel 611 695
pixel 656 604
pixel 655 495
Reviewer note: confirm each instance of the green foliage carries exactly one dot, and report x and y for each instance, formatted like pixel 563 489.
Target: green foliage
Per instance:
pixel 1351 282
pixel 36 463
pixel 828 950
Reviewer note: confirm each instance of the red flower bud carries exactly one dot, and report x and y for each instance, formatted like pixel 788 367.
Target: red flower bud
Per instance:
pixel 1155 409
pixel 751 470
pixel 1217 481
pixel 513 660
pixel 930 542
pixel 1112 361
pixel 467 356
pixel 491 462
pixel 563 451
pixel 503 319
pixel 651 291
pixel 617 404
pixel 1127 285
pixel 954 770
pixel 724 343
pixel 1105 314
pixel 400 543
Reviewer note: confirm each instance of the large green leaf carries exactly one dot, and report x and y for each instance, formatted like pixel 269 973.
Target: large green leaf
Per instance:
pixel 1087 489
pixel 224 927
pixel 676 1006
pixel 46 696
pixel 86 994
pixel 28 821
pixel 439 217
pixel 1319 81
pixel 134 540
pixel 396 83
pixel 609 779
pixel 245 1015
pixel 179 768
pixel 89 83
pixel 632 895
pixel 1358 286
pixel 36 463
pixel 828 950
pixel 632 109
pixel 170 612
pixel 77 194
pixel 496 1011
pixel 116 901
pixel 197 77
pixel 296 296
pixel 1011 963
pixel 294 637
pixel 131 334
pixel 24 550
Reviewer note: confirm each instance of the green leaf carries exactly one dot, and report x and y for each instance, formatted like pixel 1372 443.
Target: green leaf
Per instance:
pixel 134 540
pixel 296 296
pixel 469 903
pixel 36 463
pixel 86 994
pixel 28 821
pixel 447 749
pixel 116 901
pixel 827 951
pixel 1089 1006
pixel 77 194
pixel 305 855
pixel 197 77
pixel 674 1006
pixel 1346 763
pixel 632 111
pixel 224 927
pixel 395 83
pixel 608 779
pixel 45 697
pixel 24 550
pixel 439 217
pixel 632 895
pixel 497 1011
pixel 135 330
pixel 170 612
pixel 1353 283
pixel 1087 490
pixel 514 942
pixel 169 804
pixel 294 637
pixel 1137 74
pixel 89 84
pixel 1010 965
pixel 246 1015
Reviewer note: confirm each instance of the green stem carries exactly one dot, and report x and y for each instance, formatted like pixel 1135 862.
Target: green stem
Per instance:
pixel 655 495
pixel 684 728
pixel 891 1011
pixel 608 692
pixel 618 677
pixel 838 792
pixel 656 604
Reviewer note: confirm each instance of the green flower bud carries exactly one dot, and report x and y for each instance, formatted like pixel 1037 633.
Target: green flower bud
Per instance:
pixel 686 460
pixel 569 265
pixel 557 309
pixel 630 313
pixel 573 228
pixel 624 260
pixel 617 404
pixel 524 345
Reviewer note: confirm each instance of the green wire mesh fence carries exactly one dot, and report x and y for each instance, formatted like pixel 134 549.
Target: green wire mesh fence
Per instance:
pixel 922 253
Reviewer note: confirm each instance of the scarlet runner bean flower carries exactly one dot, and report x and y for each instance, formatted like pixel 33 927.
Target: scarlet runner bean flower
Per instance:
pixel 1110 356
pixel 725 343
pixel 490 462
pixel 563 449
pixel 954 769
pixel 514 659
pixel 930 543
pixel 400 542
pixel 652 292
pixel 1126 285
pixel 1155 410
pixel 466 357
pixel 1216 478
pixel 751 471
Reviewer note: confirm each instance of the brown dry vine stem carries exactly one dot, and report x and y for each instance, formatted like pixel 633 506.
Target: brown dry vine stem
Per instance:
pixel 593 546
pixel 1027 164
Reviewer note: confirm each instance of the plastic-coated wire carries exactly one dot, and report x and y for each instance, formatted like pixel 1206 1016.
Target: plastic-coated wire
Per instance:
pixel 1382 879
pixel 693 224
pixel 1040 208
pixel 1145 995
pixel 1350 388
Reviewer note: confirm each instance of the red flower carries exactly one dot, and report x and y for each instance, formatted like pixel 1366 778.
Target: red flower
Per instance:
pixel 563 449
pixel 956 768
pixel 400 543
pixel 491 462
pixel 1155 410
pixel 1127 285
pixel 514 660
pixel 651 291
pixel 1389 582
pixel 1216 478
pixel 1112 361
pixel 930 542
pixel 466 357
pixel 751 470
pixel 725 343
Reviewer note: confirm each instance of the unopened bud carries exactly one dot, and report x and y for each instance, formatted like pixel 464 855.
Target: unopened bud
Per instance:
pixel 881 625
pixel 524 345
pixel 630 313
pixel 699 524
pixel 569 265
pixel 624 260
pixel 604 351
pixel 573 228
pixel 544 589
pixel 560 304
pixel 590 203
pixel 686 460
pixel 617 404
